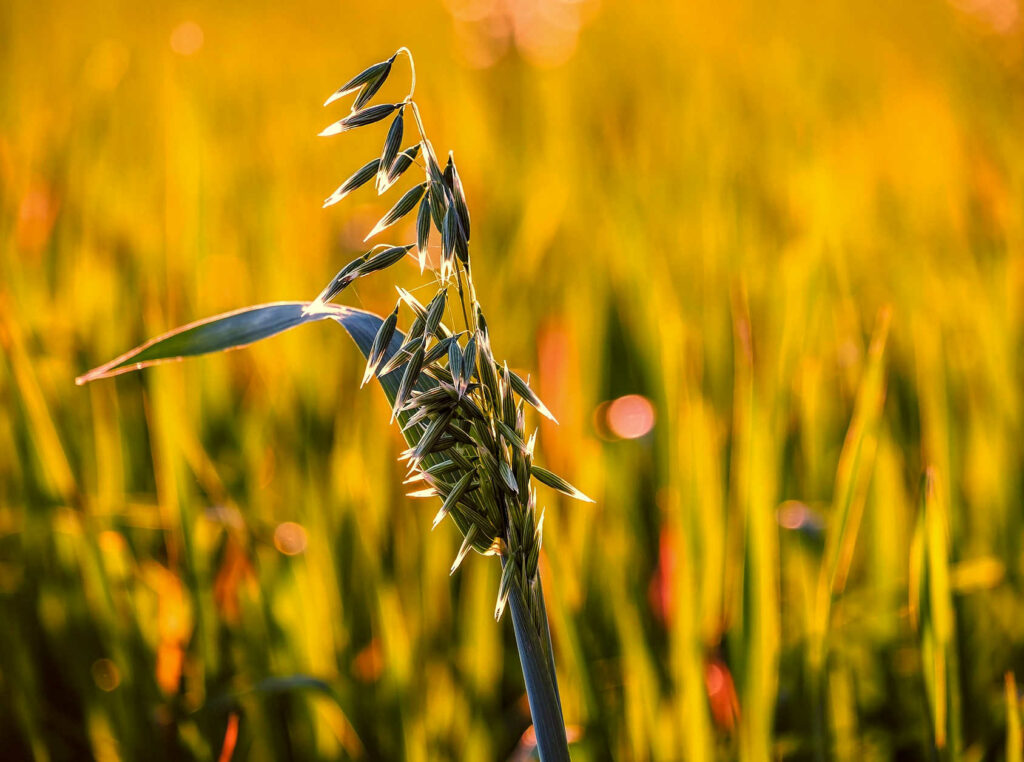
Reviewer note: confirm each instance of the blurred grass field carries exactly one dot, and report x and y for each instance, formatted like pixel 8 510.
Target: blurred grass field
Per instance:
pixel 796 229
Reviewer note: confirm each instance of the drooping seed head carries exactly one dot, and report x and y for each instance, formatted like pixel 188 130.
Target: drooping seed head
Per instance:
pixel 380 343
pixel 392 143
pixel 458 195
pixel 423 231
pixel 358 179
pixel 460 488
pixel 402 207
pixel 556 482
pixel 360 119
pixel 377 74
pixel 384 259
pixel 435 311
pixel 402 163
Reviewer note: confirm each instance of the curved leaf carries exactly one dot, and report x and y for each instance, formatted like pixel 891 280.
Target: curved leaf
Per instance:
pixel 222 332
pixel 250 324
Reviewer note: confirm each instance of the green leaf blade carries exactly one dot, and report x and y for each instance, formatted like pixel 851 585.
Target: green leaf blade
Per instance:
pixel 216 334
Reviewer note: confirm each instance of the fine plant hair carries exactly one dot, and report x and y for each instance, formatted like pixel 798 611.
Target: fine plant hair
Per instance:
pixel 461 411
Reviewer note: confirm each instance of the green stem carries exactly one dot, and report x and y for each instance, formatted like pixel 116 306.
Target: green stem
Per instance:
pixel 534 645
pixel 546 642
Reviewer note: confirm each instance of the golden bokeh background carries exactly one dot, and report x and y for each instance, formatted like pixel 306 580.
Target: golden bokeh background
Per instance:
pixel 765 262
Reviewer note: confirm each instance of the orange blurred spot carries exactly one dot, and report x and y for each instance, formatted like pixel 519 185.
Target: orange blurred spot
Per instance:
pixel 111 541
pixel 174 626
pixel 714 679
pixel 187 38
pixel 290 538
pixel 234 570
pixel 545 32
pixel 1001 16
pixel 227 750
pixel 368 663
pixel 37 213
pixel 660 589
pixel 105 674
pixel 170 658
pixel 631 416
pixel 528 740
pixel 725 705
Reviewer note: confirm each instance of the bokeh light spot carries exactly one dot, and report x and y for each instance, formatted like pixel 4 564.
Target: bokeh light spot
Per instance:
pixel 630 417
pixel 105 674
pixel 792 515
pixel 187 38
pixel 290 538
pixel 1001 16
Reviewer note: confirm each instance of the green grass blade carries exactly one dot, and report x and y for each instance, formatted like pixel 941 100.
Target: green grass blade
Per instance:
pixel 219 333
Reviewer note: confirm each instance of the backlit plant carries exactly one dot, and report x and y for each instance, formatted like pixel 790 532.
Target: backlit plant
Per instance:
pixel 461 411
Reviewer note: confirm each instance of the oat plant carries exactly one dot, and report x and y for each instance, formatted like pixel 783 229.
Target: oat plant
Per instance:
pixel 462 413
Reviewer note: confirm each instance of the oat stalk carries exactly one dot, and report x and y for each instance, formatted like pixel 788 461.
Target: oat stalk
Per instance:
pixel 462 413
pixel 466 429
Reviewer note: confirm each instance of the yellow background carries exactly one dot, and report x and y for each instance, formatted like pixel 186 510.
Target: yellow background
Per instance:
pixel 795 227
